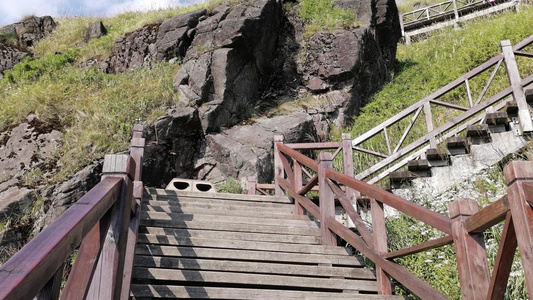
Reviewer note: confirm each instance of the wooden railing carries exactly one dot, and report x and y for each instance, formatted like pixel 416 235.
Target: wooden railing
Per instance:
pixel 399 154
pixel 440 11
pixel 464 227
pixel 102 225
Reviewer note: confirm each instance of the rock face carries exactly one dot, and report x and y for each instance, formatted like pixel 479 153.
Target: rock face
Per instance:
pixel 31 29
pixel 251 55
pixel 28 33
pixel 229 62
pixel 10 56
pixel 153 43
pixel 95 30
pixel 354 63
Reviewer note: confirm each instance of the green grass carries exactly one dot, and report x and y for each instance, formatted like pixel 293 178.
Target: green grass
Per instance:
pixel 422 68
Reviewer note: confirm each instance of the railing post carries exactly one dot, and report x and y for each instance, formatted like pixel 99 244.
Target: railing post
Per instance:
pixel 513 74
pixel 429 124
pixel 470 251
pixel 107 280
pixel 379 239
pixel 455 12
pixel 326 199
pixel 297 169
pixel 252 185
pixel 278 165
pixel 517 175
pixel 347 160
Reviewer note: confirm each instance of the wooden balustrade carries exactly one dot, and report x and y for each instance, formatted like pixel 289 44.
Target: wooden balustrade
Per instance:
pixel 433 134
pixel 464 229
pixel 103 224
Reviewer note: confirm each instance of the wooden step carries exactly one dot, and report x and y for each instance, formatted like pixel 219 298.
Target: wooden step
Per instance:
pixel 227 235
pixel 280 214
pixel 248 255
pixel 233 244
pixel 218 196
pixel 180 200
pixel 458 145
pixel 235 227
pixel 252 267
pixel 249 279
pixel 198 292
pixel 207 217
pixel 212 204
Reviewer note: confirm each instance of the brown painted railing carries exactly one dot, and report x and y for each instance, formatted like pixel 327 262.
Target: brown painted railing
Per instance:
pixel 399 154
pixel 102 224
pixel 464 227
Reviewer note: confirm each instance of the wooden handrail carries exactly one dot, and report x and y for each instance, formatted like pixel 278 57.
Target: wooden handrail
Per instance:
pixel 416 211
pixel 25 274
pixel 102 268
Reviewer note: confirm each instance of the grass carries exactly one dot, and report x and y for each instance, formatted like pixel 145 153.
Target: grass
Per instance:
pixel 422 68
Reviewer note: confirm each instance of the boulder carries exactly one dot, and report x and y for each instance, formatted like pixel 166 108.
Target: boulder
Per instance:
pixel 95 30
pixel 247 150
pixel 31 29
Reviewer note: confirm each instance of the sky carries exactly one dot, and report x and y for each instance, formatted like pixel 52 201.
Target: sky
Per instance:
pixel 12 11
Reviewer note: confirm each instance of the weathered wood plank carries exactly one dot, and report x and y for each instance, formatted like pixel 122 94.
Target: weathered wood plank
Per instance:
pixel 420 247
pixel 218 196
pixel 236 244
pixel 380 244
pixel 304 160
pixel 489 216
pixel 208 204
pixel 326 199
pixel 242 293
pixel 503 261
pixel 243 212
pixel 243 279
pixel 252 267
pixel 228 235
pixel 311 207
pixel 265 256
pixel 315 146
pixel 232 227
pixel 177 217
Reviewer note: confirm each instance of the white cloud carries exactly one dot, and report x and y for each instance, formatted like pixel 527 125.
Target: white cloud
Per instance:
pixel 13 11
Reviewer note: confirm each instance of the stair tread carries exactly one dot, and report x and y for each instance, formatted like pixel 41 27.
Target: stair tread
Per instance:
pixel 227 211
pixel 207 217
pixel 234 244
pixel 251 267
pixel 182 201
pixel 228 235
pixel 247 255
pixel 204 277
pixel 219 196
pixel 234 227
pixel 164 291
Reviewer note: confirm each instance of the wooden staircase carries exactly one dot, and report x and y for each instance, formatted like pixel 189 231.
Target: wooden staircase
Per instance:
pixel 202 245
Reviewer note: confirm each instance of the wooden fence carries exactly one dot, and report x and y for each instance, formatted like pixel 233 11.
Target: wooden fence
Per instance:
pixel 464 227
pixel 399 154
pixel 102 225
